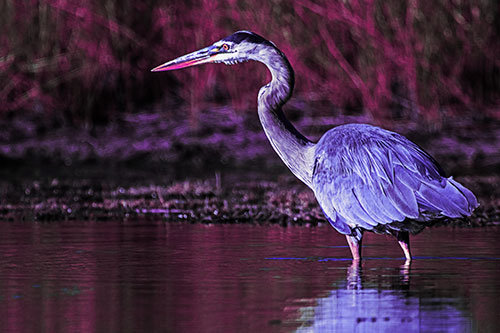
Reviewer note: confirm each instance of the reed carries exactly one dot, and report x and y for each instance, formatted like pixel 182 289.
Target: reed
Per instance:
pixel 84 61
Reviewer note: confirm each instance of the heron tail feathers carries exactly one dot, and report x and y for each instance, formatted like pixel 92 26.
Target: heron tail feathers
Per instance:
pixel 449 198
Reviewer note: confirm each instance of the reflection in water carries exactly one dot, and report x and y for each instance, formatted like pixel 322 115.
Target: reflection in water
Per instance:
pixel 148 276
pixel 355 307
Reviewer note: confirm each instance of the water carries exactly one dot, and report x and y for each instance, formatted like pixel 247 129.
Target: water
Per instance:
pixel 158 277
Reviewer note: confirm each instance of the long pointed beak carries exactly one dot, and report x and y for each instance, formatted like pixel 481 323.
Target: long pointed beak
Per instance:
pixel 202 56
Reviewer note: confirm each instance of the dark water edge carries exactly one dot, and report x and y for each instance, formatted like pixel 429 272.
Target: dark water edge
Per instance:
pixel 157 165
pixel 100 192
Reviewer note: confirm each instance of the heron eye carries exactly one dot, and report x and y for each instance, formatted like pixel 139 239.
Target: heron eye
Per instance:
pixel 225 47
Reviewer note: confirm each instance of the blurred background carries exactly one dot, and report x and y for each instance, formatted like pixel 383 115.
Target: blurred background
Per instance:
pixel 77 85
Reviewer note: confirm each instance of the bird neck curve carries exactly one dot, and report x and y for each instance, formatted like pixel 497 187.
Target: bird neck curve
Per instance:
pixel 296 151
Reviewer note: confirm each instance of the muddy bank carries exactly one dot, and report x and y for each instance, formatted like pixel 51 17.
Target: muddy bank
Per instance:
pixel 231 196
pixel 220 170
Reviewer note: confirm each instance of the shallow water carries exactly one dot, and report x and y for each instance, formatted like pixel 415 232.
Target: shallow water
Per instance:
pixel 146 276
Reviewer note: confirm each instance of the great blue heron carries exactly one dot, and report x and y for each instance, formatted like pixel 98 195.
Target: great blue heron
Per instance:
pixel 364 177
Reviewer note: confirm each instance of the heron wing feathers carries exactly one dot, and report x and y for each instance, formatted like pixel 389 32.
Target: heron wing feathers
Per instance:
pixel 365 176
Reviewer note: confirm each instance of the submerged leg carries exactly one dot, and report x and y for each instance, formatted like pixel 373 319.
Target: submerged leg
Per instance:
pixel 354 275
pixel 403 238
pixel 355 244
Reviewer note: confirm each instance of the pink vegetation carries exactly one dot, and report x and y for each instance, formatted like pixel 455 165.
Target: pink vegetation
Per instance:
pixel 84 60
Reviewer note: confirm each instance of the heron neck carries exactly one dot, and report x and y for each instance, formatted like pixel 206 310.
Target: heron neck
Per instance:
pixel 296 151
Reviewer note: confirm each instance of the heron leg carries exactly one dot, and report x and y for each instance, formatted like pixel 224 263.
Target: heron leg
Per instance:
pixel 355 246
pixel 403 238
pixel 354 275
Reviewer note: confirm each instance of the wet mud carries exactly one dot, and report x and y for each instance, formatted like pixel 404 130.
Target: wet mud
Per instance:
pixel 232 196
pixel 221 170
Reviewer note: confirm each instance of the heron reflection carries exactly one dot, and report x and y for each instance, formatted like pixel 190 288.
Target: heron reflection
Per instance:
pixel 382 302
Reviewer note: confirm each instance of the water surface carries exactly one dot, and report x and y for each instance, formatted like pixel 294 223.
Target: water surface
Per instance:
pixel 156 277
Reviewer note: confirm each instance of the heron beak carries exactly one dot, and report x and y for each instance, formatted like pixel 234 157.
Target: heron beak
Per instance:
pixel 203 56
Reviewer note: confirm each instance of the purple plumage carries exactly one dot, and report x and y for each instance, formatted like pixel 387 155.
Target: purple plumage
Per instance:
pixel 367 177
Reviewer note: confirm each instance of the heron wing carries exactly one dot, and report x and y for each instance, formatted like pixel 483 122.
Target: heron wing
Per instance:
pixel 365 176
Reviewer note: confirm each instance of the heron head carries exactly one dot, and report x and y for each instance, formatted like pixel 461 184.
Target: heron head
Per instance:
pixel 238 47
